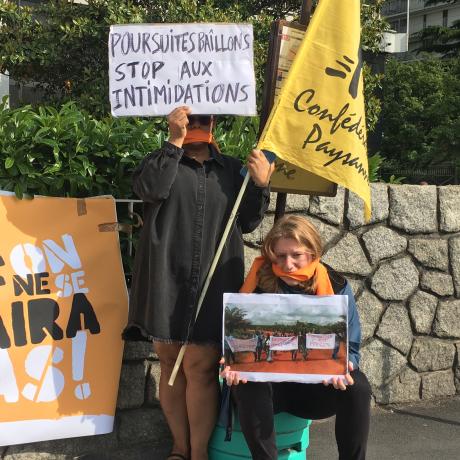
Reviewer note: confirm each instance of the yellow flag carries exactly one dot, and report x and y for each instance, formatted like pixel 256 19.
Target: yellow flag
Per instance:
pixel 318 121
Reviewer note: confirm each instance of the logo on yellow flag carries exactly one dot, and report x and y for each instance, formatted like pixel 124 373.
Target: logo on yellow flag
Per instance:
pixel 318 121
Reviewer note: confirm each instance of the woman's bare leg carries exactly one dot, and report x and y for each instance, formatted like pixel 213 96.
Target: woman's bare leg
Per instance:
pixel 201 372
pixel 173 398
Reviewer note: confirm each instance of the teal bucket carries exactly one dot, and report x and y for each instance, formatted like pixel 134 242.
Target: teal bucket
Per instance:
pixel 292 439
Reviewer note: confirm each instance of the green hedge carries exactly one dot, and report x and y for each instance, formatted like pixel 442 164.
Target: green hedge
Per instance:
pixel 68 152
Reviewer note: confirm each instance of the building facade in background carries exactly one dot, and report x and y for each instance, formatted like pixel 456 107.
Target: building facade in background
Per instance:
pixel 4 86
pixel 413 13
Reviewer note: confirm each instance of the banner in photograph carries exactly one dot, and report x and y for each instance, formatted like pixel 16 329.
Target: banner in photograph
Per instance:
pixel 320 341
pixel 63 305
pixel 283 343
pixel 237 345
pixel 154 68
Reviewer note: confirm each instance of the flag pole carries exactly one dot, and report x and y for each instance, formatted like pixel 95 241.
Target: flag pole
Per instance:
pixel 281 197
pixel 280 206
pixel 223 240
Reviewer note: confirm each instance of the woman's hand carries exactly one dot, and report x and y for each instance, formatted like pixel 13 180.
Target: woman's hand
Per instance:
pixel 259 168
pixel 231 377
pixel 178 121
pixel 339 382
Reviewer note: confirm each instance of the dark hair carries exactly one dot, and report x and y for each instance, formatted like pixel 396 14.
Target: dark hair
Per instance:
pixel 202 119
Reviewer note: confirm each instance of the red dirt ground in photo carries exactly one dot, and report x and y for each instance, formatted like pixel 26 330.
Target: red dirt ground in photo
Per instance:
pixel 318 362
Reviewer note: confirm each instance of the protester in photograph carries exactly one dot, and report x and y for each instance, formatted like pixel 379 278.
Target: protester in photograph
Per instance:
pixel 259 345
pixel 189 188
pixel 294 353
pixel 302 338
pixel 290 264
pixel 335 352
pixel 268 352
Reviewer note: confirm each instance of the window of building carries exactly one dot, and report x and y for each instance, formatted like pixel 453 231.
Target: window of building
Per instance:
pixel 398 25
pixel 424 21
pixel 29 2
pixel 402 26
pixel 394 25
pixel 394 7
pixel 445 14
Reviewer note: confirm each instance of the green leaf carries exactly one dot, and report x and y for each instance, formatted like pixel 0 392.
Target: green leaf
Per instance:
pixel 9 162
pixel 18 190
pixel 52 169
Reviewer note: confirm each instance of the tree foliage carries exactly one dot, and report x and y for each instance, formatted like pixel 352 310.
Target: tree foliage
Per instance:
pixel 421 112
pixel 279 9
pixel 373 24
pixel 235 319
pixel 62 46
pixel 442 40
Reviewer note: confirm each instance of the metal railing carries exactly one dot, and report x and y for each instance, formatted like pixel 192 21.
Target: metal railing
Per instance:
pixel 443 174
pixel 129 215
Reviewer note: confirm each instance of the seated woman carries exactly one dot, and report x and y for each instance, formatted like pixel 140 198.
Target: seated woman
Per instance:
pixel 290 264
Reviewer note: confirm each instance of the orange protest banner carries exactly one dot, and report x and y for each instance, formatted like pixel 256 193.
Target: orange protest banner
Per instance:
pixel 63 305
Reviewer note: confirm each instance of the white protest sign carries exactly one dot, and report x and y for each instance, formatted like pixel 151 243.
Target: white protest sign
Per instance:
pixel 321 341
pixel 154 68
pixel 283 343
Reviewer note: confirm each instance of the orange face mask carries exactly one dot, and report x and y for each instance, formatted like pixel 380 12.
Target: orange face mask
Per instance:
pixel 198 135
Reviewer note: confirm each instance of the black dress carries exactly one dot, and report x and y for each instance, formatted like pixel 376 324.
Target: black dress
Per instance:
pixel 186 207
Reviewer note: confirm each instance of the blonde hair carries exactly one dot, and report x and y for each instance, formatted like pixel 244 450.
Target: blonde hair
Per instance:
pixel 292 227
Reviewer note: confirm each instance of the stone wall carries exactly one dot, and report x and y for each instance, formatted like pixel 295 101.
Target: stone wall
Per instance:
pixel 404 267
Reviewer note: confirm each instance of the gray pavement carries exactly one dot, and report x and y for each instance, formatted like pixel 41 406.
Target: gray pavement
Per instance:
pixel 422 431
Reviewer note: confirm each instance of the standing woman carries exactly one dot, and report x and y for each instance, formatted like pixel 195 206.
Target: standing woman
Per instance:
pixel 189 188
pixel 290 264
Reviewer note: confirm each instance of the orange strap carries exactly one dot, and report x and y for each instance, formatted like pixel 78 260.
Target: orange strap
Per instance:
pixel 323 283
pixel 250 283
pixel 198 135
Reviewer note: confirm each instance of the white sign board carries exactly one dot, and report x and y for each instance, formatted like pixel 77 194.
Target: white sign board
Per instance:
pixel 320 341
pixel 154 68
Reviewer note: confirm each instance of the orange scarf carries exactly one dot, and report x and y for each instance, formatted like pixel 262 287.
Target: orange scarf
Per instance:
pixel 323 283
